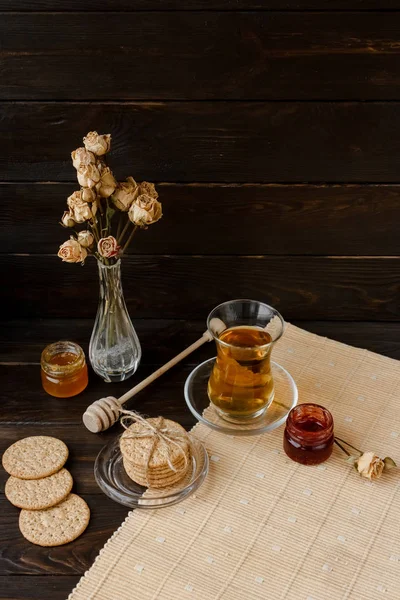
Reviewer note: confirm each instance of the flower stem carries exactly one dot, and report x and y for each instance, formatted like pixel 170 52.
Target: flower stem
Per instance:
pixel 129 239
pixel 99 214
pixel 341 447
pixel 107 227
pixel 349 445
pixel 125 229
pixel 95 230
pixel 121 215
pixel 97 237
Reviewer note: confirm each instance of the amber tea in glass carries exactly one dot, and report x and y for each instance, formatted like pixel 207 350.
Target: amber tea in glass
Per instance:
pixel 241 385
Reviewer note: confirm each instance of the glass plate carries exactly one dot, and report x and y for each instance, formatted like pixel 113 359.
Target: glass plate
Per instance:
pixel 111 477
pixel 286 397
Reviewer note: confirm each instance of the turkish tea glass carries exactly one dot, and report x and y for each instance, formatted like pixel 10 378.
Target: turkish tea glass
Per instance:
pixel 241 385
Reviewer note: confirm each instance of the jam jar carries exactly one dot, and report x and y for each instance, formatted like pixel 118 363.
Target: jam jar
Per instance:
pixel 64 369
pixel 308 437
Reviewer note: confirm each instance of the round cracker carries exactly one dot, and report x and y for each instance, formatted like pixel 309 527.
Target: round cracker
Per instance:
pixel 152 481
pixel 57 525
pixel 143 473
pixel 35 457
pixel 158 472
pixel 36 494
pixel 136 450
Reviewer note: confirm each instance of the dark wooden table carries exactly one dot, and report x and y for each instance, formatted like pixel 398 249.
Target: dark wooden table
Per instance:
pixel 29 571
pixel 272 132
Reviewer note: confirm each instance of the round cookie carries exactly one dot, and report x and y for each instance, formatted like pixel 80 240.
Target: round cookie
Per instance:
pixel 35 457
pixel 158 472
pixel 57 525
pixel 36 494
pixel 151 480
pixel 136 450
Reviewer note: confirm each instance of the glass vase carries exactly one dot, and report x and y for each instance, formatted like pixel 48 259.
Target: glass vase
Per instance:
pixel 114 349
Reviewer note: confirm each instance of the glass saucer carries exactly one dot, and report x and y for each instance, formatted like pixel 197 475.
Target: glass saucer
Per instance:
pixel 286 397
pixel 111 477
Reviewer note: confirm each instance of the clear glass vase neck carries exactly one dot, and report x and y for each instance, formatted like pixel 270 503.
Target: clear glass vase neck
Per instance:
pixel 110 280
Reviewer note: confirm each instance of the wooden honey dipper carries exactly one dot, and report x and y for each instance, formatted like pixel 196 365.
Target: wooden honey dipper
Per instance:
pixel 103 413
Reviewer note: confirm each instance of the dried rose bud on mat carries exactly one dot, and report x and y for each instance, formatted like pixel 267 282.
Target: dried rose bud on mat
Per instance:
pixel 367 464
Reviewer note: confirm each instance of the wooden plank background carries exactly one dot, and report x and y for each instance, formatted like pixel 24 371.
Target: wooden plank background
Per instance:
pixel 178 5
pixel 208 141
pixel 272 131
pixel 168 55
pixel 363 288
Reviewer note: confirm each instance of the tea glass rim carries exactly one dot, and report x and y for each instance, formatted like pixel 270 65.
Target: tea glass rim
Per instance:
pixel 237 300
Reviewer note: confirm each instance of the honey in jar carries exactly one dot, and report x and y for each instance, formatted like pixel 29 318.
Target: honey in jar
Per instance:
pixel 309 437
pixel 241 384
pixel 64 370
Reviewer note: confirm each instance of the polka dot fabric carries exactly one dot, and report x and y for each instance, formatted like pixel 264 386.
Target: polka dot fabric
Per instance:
pixel 264 527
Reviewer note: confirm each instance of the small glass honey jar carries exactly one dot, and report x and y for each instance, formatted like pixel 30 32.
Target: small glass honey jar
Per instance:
pixel 309 437
pixel 64 369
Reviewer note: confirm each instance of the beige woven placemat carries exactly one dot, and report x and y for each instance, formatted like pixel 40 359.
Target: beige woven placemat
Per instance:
pixel 264 527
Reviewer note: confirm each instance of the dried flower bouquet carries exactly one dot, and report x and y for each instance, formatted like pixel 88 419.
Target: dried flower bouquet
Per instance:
pixel 99 200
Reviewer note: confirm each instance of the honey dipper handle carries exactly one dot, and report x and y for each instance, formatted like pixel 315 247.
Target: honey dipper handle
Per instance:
pixel 206 337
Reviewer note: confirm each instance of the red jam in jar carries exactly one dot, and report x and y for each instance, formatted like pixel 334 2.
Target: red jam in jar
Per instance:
pixel 308 437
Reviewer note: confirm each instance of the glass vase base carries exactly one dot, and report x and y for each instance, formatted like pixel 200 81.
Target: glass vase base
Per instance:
pixel 117 376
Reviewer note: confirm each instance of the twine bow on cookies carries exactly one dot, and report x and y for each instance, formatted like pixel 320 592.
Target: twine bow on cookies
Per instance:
pixel 162 436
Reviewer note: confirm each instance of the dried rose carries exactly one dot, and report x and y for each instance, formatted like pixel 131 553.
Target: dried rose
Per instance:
pixel 85 238
pixel 88 175
pixel 108 247
pixel 82 157
pixel 88 194
pixel 67 220
pixel 369 465
pixel 72 252
pixel 145 211
pixel 148 189
pixel 107 183
pixel 125 194
pixel 98 144
pixel 81 211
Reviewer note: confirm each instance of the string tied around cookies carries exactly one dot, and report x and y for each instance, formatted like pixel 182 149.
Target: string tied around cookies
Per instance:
pixel 162 436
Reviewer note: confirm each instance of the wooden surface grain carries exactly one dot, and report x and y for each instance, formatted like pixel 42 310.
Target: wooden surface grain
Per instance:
pixel 254 55
pixel 67 412
pixel 226 219
pixel 31 572
pixel 189 5
pixel 274 128
pixel 41 587
pixel 20 557
pixel 207 141
pixel 22 340
pixel 317 288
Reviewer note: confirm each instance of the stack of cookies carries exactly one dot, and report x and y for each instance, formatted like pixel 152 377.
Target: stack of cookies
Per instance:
pixel 38 483
pixel 156 452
